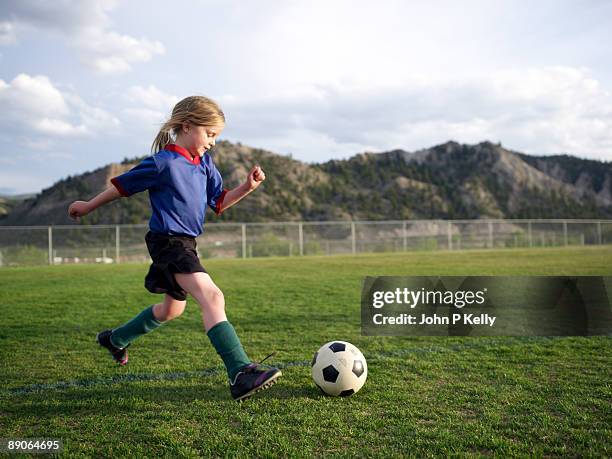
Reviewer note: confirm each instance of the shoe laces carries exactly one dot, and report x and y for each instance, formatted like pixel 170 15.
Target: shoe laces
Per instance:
pixel 255 365
pixel 266 358
pixel 251 367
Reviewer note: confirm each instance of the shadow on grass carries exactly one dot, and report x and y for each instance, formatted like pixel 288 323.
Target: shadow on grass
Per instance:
pixel 118 399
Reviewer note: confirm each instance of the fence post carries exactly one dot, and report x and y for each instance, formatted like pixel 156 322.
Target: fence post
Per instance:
pixel 301 238
pixel 599 238
pixel 404 236
pixel 117 246
pixel 244 249
pixel 490 234
pixel 564 232
pixel 50 234
pixel 353 241
pixel 529 233
pixel 449 235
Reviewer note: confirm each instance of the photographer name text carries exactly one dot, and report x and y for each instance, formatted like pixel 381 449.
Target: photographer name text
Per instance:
pixel 434 319
pixel 412 298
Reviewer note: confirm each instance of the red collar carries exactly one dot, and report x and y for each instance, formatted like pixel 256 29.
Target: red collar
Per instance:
pixel 195 160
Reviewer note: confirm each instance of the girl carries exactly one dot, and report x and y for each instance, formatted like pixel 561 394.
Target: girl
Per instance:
pixel 181 181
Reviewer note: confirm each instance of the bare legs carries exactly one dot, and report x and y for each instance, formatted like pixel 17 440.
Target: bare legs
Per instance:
pixel 221 333
pixel 207 294
pixel 169 309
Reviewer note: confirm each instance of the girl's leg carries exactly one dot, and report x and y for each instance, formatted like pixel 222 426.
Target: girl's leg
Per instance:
pixel 246 377
pixel 220 332
pixel 207 294
pixel 148 320
pixel 169 309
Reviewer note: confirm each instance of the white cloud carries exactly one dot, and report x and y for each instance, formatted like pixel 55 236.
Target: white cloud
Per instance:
pixel 86 25
pixel 148 108
pixel 68 15
pixel 39 144
pixel 8 35
pixel 35 112
pixel 539 110
pixel 59 128
pixel 143 117
pixel 95 118
pixel 32 95
pixel 151 97
pixel 108 52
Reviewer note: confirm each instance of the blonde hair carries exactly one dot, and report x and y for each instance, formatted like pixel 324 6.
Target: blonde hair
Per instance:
pixel 198 110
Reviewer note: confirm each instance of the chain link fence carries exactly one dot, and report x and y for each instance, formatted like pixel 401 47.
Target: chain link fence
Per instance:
pixel 39 245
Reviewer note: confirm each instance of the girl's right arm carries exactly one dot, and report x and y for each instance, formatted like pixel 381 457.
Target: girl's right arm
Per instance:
pixel 80 208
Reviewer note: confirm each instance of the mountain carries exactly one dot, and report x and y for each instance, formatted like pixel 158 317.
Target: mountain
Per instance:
pixel 451 180
pixel 7 203
pixel 470 181
pixel 588 176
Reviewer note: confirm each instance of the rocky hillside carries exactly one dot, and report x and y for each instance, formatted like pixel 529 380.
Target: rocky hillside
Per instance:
pixel 587 176
pixel 469 181
pixel 446 181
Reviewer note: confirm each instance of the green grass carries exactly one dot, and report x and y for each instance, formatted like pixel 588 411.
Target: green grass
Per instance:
pixel 424 395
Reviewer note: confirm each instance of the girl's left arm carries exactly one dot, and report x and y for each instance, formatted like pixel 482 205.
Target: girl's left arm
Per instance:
pixel 255 178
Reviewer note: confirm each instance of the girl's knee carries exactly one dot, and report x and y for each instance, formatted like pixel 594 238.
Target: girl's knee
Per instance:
pixel 169 309
pixel 203 289
pixel 173 314
pixel 218 299
pixel 213 299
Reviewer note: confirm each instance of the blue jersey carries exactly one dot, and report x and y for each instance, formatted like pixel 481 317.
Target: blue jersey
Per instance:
pixel 180 187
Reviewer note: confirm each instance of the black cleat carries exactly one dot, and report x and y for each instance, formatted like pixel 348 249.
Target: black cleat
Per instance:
pixel 252 378
pixel 119 354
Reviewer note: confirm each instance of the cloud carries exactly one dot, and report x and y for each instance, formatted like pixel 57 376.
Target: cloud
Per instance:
pixel 69 15
pixel 86 26
pixel 539 110
pixel 36 112
pixel 151 97
pixel 110 53
pixel 60 128
pixel 143 117
pixel 27 95
pixel 148 108
pixel 16 181
pixel 7 33
pixel 95 118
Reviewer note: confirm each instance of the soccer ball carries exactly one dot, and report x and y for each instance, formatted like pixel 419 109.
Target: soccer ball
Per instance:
pixel 339 368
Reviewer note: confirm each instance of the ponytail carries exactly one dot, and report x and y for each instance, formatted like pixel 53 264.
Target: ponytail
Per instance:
pixel 197 110
pixel 162 138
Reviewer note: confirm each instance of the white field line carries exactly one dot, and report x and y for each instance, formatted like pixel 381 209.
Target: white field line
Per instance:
pixel 472 344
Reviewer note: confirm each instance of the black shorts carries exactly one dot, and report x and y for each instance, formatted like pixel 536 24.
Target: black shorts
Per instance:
pixel 170 255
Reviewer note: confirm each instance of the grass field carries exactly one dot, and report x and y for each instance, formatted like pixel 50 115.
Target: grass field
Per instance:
pixel 424 396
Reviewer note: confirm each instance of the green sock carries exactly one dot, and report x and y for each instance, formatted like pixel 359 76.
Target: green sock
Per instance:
pixel 225 340
pixel 138 326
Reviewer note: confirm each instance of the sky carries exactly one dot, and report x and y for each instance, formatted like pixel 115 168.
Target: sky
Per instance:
pixel 84 83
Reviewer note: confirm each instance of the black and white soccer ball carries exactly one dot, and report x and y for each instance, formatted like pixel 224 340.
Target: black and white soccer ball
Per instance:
pixel 339 368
